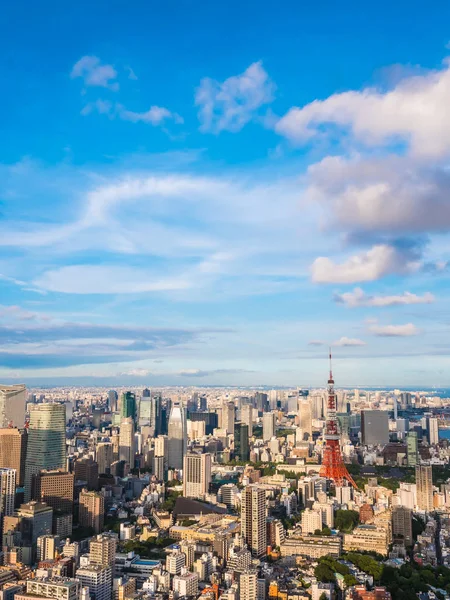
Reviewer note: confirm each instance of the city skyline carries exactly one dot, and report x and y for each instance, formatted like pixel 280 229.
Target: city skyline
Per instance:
pixel 171 216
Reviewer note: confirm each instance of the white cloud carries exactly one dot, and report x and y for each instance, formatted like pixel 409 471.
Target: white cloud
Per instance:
pixel 394 330
pixel 389 194
pixel 316 343
pixel 95 74
pixel 347 342
pixel 379 261
pixel 415 111
pixel 154 116
pixel 137 372
pixel 231 104
pixel 358 298
pixel 131 74
pixel 95 279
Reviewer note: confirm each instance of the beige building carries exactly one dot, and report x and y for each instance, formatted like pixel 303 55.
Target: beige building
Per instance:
pixel 127 441
pixel 12 405
pixel 47 547
pixel 368 538
pixel 311 521
pixel 104 457
pixel 424 486
pixel 253 519
pixel 248 585
pixel 102 549
pixel 196 475
pixel 61 589
pixel 91 510
pixel 312 546
pixel 13 450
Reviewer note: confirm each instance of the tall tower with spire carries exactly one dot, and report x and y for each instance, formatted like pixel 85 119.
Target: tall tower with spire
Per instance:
pixel 333 466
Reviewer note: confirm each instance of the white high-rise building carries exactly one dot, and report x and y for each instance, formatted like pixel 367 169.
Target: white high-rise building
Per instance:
pixel 247 417
pixel 46 441
pixel 305 418
pixel 47 547
pixel 185 584
pixel 7 491
pixel 269 425
pixel 311 521
pixel 253 519
pixel 177 436
pixel 12 405
pixel 98 579
pixel 127 448
pixel 433 431
pixel 227 415
pixel 196 475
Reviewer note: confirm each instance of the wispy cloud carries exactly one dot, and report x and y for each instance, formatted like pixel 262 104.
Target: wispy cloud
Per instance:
pixel 155 115
pixel 379 261
pixel 348 342
pixel 394 330
pixel 358 298
pixel 95 73
pixel 231 104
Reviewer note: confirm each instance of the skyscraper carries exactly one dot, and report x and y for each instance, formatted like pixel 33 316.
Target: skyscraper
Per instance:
pixel 241 446
pixel 128 405
pixel 12 405
pixel 196 475
pixel 412 450
pixel 13 450
pixel 104 456
pixel 7 491
pixel 402 523
pixel 253 519
pixel 424 484
pixel 92 508
pixel 177 437
pixel 305 417
pixel 227 414
pixel 247 417
pixel 127 441
pixel 86 469
pixel 102 549
pixel 269 425
pixel 374 427
pixel 112 400
pixel 46 441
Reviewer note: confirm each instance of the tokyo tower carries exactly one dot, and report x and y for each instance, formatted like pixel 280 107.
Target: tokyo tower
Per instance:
pixel 333 466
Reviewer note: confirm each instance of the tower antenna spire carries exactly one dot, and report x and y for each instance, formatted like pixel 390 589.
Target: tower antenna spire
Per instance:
pixel 331 369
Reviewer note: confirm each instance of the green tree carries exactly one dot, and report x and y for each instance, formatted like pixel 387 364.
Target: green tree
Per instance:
pixel 346 520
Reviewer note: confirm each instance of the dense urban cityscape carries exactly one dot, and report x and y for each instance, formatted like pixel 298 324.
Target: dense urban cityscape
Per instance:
pixel 224 494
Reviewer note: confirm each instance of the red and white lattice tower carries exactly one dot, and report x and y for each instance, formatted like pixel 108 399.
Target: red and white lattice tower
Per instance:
pixel 333 466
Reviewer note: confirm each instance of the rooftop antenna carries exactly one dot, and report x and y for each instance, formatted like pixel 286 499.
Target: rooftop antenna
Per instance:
pixel 331 369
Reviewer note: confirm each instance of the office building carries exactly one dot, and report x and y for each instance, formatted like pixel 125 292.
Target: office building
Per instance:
pixel 311 521
pixel 112 400
pixel 247 417
pixel 248 585
pixel 269 425
pixel 374 427
pixel 432 429
pixel 102 549
pixel 104 457
pixel 177 437
pixel 196 475
pixel 47 547
pixel 13 451
pixel 305 418
pixel 127 441
pixel 98 579
pixel 209 418
pixel 227 417
pixel 22 529
pixel 241 443
pixel 12 405
pixel 55 588
pixel 175 562
pixel 7 491
pixel 185 584
pixel 412 448
pixel 402 524
pixel 55 488
pixel 46 441
pixel 91 510
pixel 367 538
pixel 253 519
pixel 424 486
pixel 128 406
pixel 86 469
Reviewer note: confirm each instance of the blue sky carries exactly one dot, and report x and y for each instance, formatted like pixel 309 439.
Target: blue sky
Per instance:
pixel 213 193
